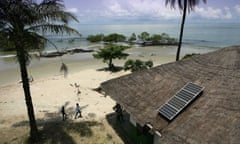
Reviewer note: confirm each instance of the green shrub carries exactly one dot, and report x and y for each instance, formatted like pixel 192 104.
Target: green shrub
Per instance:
pixel 137 65
pixel 95 38
pixel 190 55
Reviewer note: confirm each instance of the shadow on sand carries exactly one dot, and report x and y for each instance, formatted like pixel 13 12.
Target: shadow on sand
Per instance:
pixel 52 130
pixel 115 69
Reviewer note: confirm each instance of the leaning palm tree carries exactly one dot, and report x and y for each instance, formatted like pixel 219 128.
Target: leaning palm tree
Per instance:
pixel 183 6
pixel 22 24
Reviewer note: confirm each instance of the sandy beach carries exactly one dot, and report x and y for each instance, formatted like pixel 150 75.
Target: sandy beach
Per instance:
pixel 50 91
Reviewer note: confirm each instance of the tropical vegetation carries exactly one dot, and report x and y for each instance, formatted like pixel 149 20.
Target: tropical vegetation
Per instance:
pixel 109 52
pixel 183 5
pixel 144 36
pixel 22 25
pixel 95 38
pixel 114 37
pixel 190 55
pixel 137 65
pixel 133 37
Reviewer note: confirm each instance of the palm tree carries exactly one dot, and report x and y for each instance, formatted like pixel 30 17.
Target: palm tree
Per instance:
pixel 183 6
pixel 21 25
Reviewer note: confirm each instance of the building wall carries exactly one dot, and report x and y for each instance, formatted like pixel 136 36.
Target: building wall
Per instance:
pixel 132 121
pixel 156 139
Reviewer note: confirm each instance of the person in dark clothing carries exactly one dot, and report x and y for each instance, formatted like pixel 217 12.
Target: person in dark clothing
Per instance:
pixel 118 109
pixel 63 113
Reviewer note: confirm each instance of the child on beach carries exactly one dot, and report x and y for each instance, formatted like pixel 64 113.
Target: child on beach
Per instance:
pixel 78 111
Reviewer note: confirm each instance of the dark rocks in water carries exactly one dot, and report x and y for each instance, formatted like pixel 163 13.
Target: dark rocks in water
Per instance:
pixel 71 51
pixel 78 50
pixel 153 43
pixel 52 54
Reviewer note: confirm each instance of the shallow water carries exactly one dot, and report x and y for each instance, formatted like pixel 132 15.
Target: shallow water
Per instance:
pixel 198 38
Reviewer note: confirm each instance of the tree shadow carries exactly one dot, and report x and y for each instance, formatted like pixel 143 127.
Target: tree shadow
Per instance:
pixel 52 130
pixel 59 132
pixel 115 69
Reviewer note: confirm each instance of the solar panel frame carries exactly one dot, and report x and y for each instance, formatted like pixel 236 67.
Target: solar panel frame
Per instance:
pixel 180 100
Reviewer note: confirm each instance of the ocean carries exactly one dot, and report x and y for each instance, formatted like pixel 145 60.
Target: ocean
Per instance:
pixel 198 38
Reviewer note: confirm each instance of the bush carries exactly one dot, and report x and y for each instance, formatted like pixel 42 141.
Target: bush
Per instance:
pixel 95 38
pixel 114 38
pixel 190 55
pixel 137 65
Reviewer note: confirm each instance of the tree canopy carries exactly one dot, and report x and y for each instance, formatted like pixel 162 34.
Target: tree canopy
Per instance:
pixel 109 52
pixel 114 37
pixel 133 37
pixel 137 65
pixel 95 38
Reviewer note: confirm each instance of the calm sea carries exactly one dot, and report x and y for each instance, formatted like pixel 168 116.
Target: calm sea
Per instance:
pixel 197 37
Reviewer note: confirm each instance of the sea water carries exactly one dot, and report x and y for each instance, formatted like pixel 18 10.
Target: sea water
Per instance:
pixel 197 37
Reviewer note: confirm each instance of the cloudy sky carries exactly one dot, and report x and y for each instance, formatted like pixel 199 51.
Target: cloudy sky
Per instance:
pixel 150 11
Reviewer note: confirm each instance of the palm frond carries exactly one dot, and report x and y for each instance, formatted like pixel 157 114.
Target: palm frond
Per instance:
pixel 54 29
pixel 190 3
pixel 53 10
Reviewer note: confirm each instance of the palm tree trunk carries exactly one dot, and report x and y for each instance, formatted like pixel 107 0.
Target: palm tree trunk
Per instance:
pixel 28 99
pixel 181 31
pixel 110 65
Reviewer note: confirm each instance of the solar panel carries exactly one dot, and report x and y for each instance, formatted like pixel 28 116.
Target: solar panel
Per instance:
pixel 180 100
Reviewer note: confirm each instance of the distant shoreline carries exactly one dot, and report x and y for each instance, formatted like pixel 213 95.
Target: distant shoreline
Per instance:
pixel 45 67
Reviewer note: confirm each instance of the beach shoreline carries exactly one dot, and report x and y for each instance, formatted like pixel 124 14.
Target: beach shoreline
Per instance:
pixel 46 67
pixel 50 90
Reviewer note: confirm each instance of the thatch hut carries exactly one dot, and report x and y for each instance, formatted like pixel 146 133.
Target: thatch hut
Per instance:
pixel 214 117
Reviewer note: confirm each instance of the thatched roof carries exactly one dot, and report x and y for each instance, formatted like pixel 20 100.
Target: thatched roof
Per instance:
pixel 214 117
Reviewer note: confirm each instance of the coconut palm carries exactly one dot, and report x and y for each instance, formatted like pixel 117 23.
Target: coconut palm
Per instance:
pixel 183 5
pixel 22 24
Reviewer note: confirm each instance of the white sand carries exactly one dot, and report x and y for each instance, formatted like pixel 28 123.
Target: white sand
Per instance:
pixel 50 93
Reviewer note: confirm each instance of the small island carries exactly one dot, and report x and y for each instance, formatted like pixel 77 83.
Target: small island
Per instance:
pixel 143 39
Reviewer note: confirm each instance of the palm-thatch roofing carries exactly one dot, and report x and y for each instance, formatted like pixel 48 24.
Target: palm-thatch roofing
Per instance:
pixel 214 117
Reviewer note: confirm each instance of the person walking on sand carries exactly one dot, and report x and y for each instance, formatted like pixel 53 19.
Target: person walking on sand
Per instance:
pixel 63 113
pixel 78 111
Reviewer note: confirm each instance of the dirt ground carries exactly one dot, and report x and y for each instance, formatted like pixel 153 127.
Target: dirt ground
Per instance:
pixel 56 131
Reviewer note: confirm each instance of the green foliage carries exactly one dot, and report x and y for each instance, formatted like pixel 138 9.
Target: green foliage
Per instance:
pixel 111 51
pixel 155 38
pixel 145 36
pixel 137 65
pixel 190 55
pixel 163 36
pixel 114 38
pixel 95 38
pixel 133 37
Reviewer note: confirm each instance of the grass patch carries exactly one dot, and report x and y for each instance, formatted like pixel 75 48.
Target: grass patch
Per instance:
pixel 68 132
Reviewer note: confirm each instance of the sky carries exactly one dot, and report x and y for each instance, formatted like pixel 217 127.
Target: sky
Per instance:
pixel 150 11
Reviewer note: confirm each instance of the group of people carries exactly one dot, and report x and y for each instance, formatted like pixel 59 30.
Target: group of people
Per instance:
pixel 78 112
